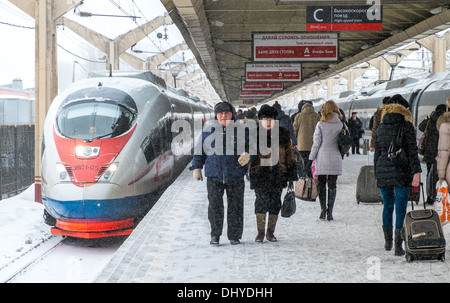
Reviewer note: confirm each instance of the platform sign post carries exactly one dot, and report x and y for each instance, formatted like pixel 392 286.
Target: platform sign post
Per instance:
pixel 273 72
pixel 295 47
pixel 344 18
pixel 262 85
pixel 254 94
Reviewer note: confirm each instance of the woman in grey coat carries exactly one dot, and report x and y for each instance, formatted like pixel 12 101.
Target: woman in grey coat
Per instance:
pixel 328 158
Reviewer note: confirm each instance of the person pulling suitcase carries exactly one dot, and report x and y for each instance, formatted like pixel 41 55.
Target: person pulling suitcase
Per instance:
pixel 395 176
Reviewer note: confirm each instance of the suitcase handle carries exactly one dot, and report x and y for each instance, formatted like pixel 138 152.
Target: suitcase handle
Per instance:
pixel 423 197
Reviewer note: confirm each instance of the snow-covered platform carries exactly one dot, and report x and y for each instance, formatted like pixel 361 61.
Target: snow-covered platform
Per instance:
pixel 171 244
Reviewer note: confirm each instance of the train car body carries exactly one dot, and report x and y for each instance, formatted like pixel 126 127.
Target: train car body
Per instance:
pixel 423 96
pixel 107 152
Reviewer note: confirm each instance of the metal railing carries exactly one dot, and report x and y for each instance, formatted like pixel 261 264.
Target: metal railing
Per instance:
pixel 17 159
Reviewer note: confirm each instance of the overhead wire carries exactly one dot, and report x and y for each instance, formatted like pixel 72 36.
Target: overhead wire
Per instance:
pixel 17 25
pixel 132 2
pixel 65 49
pixel 15 11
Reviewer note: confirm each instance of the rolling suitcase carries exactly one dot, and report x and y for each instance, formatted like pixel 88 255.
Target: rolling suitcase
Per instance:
pixel 423 235
pixel 366 186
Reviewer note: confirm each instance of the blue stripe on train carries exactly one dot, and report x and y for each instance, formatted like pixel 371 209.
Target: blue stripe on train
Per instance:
pixel 109 209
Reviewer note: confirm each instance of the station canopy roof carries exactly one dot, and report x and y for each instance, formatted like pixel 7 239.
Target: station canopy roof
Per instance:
pixel 221 34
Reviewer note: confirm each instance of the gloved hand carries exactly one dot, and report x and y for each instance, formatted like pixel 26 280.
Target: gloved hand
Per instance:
pixel 244 158
pixel 198 174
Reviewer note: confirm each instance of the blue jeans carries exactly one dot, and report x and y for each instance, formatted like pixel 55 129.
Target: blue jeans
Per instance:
pixel 399 199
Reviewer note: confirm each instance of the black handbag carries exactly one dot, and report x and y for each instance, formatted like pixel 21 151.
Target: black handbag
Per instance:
pixel 396 151
pixel 289 206
pixel 421 146
pixel 344 140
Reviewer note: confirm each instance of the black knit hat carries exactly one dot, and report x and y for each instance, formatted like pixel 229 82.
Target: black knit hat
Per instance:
pixel 398 99
pixel 267 111
pixel 223 107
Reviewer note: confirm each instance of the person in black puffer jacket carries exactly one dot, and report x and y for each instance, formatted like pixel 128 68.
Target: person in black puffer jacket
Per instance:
pixel 355 127
pixel 394 180
pixel 431 151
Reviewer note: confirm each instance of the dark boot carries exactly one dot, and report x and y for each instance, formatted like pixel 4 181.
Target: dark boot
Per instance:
pixel 331 198
pixel 387 231
pixel 398 243
pixel 271 228
pixel 214 240
pixel 261 227
pixel 323 202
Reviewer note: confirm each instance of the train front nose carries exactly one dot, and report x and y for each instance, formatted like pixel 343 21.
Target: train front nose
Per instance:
pixel 99 216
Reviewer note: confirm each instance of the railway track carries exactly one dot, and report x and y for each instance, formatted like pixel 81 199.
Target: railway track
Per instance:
pixel 61 260
pixel 20 264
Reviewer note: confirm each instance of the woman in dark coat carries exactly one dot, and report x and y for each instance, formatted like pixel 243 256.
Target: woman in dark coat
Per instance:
pixel 355 127
pixel 431 151
pixel 268 181
pixel 395 180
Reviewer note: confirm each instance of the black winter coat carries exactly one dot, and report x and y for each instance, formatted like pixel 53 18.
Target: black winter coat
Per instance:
pixel 273 176
pixel 355 127
pixel 432 138
pixel 386 172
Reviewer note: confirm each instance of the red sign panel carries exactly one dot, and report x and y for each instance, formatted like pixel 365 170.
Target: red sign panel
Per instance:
pixel 272 72
pixel 295 47
pixel 254 94
pixel 262 85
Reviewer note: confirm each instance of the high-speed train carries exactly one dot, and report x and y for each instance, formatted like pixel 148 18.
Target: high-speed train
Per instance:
pixel 107 151
pixel 423 95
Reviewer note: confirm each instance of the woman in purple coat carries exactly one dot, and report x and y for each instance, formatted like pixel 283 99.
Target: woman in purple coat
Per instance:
pixel 328 158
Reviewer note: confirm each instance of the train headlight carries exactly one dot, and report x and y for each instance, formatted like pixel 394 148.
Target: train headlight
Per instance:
pixel 107 175
pixel 61 169
pixel 87 151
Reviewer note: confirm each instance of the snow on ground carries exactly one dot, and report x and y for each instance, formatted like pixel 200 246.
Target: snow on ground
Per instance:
pixel 349 249
pixel 171 244
pixel 22 229
pixel 21 225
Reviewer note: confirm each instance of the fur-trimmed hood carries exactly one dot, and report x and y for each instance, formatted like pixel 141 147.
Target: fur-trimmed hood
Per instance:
pixel 444 118
pixel 396 109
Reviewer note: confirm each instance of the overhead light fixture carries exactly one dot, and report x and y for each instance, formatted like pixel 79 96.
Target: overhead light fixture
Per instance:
pixel 216 23
pixel 87 14
pixel 438 9
pixel 141 51
pixel 396 31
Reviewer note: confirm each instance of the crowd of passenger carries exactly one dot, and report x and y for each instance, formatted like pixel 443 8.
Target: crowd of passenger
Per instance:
pixel 309 139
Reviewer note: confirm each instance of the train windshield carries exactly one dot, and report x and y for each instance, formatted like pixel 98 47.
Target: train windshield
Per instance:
pixel 89 120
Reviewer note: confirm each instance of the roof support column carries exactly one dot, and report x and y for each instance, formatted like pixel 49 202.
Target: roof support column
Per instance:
pixel 46 79
pixel 438 47
pixel 331 82
pixel 303 92
pixel 439 58
pixel 382 66
pixel 45 14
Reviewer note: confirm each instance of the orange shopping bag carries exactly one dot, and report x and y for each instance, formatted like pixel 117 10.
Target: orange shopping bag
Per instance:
pixel 441 204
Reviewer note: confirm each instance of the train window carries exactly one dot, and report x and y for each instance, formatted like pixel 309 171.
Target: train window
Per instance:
pixel 147 149
pixel 151 145
pixel 89 120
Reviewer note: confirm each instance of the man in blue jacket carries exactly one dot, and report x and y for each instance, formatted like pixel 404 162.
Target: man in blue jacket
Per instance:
pixel 225 171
